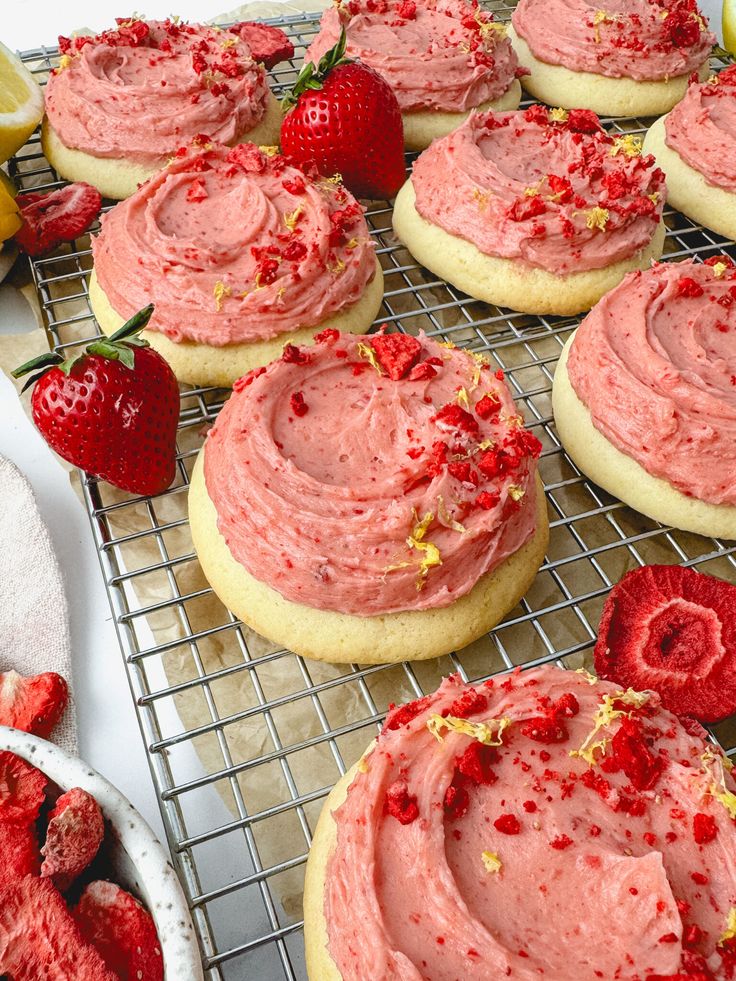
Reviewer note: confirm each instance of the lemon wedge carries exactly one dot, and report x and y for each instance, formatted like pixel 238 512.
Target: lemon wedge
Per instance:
pixel 21 104
pixel 729 25
pixel 9 219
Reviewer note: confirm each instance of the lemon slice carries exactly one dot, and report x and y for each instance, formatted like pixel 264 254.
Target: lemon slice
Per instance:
pixel 729 25
pixel 9 219
pixel 21 104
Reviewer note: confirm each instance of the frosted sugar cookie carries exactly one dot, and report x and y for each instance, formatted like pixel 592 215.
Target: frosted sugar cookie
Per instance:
pixel 239 252
pixel 630 59
pixel 122 102
pixel 442 58
pixel 370 500
pixel 695 145
pixel 541 210
pixel 544 824
pixel 644 395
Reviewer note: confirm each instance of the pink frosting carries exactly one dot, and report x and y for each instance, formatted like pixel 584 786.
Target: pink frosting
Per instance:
pixel 339 464
pixel 654 363
pixel 435 54
pixel 702 129
pixel 207 241
pixel 143 90
pixel 589 886
pixel 641 39
pixel 521 186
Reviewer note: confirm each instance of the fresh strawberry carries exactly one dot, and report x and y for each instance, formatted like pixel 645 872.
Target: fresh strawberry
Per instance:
pixel 73 837
pixel 112 411
pixel 121 930
pixel 53 217
pixel 346 120
pixel 269 45
pixel 396 353
pixel 32 704
pixel 40 940
pixel 673 630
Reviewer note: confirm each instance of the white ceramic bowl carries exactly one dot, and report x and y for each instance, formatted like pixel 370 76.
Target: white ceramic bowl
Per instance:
pixel 138 862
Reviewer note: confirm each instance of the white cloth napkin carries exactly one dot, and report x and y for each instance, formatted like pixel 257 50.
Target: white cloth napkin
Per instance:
pixel 34 622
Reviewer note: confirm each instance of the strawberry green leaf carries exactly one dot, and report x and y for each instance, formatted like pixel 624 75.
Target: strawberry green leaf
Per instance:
pixel 47 360
pixel 32 380
pixel 311 77
pixel 135 325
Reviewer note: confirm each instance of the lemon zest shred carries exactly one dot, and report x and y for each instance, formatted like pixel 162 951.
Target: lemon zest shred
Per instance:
pixel 64 62
pixel 220 291
pixel 270 150
pixel 228 42
pixel 447 518
pixel 352 244
pixel 719 269
pixel 367 352
pixel 596 217
pixel 604 715
pixel 628 143
pixel 489 733
pixel 516 493
pixel 590 678
pixel 730 931
pixel 491 861
pixel 432 556
pixel 558 115
pixel 462 398
pixel 292 217
pixel 362 765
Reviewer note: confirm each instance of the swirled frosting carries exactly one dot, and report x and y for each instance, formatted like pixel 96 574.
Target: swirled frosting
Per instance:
pixel 646 40
pixel 702 129
pixel 143 90
pixel 655 364
pixel 435 54
pixel 474 844
pixel 234 245
pixel 374 483
pixel 547 187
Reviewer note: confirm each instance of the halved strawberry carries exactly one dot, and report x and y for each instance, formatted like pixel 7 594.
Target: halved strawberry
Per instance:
pixel 672 630
pixel 32 704
pixel 112 411
pixel 396 353
pixel 73 837
pixel 344 119
pixel 268 44
pixel 121 930
pixel 40 940
pixel 53 217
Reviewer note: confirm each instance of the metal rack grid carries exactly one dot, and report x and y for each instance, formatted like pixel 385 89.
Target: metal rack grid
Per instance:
pixel 241 867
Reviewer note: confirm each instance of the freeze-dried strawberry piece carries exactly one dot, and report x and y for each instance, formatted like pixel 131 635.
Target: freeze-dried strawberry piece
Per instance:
pixel 396 353
pixel 56 216
pixel 73 837
pixel 122 930
pixel 267 44
pixel 672 630
pixel 39 938
pixel 19 854
pixel 22 789
pixel 32 704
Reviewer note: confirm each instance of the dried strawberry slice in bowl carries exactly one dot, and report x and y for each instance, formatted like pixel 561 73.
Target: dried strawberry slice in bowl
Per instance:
pixel 673 630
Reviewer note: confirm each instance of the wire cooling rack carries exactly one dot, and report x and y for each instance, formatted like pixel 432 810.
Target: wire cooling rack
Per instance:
pixel 270 733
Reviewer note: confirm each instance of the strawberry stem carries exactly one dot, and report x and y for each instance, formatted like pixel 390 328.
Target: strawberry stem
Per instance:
pixel 312 77
pixel 119 347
